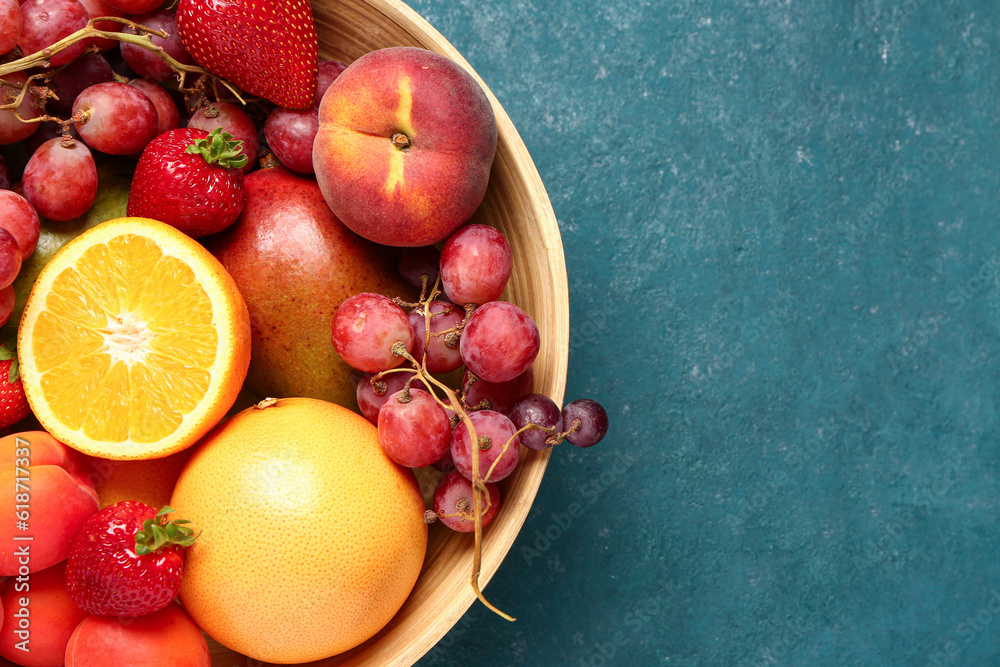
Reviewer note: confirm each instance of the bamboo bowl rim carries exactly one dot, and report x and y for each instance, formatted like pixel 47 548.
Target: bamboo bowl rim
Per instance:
pixel 538 284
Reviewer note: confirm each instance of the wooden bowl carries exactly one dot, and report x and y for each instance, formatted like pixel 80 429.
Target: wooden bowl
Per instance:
pixel 515 203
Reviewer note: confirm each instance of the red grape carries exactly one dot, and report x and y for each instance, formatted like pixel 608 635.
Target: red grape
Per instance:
pixel 135 6
pixel 366 327
pixel 593 422
pixel 19 217
pixel 329 70
pixel 415 262
pixel 144 62
pixel 454 496
pixel 290 134
pixel 6 304
pixel 370 402
pixel 122 119
pixel 4 174
pixel 10 258
pixel 475 265
pixel 500 395
pixel 446 463
pixel 48 21
pixel 70 81
pixel 493 430
pixel 97 8
pixel 47 130
pixel 13 130
pixel 540 410
pixel 60 180
pixel 440 357
pixel 233 120
pixel 499 341
pixel 10 24
pixel 414 433
pixel 167 115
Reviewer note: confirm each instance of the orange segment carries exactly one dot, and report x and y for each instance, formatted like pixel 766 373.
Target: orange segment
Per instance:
pixel 134 342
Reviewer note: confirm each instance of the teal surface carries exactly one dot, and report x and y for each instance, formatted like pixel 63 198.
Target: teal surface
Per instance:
pixel 782 229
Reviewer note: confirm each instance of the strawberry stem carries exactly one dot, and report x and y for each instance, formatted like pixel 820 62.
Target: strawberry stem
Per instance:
pixel 219 148
pixel 157 533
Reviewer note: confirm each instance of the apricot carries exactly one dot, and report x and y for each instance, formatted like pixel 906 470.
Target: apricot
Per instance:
pixel 46 493
pixel 405 145
pixel 166 637
pixel 38 618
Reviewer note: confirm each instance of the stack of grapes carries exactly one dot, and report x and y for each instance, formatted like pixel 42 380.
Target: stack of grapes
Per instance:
pixel 473 434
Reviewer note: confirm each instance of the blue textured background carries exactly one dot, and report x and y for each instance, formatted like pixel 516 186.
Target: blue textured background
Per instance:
pixel 781 224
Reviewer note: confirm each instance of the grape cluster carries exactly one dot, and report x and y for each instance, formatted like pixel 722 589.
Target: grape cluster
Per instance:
pixel 474 433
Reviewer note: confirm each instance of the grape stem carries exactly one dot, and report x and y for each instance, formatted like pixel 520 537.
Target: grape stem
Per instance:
pixel 479 490
pixel 143 39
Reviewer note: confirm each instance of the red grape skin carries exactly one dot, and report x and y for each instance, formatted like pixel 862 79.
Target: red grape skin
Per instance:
pixel 167 115
pixel 233 120
pixel 97 8
pixel 61 181
pixel 501 395
pixel 329 70
pixel 19 217
pixel 136 6
pixel 499 341
pixel 446 464
pixel 440 357
pixel 6 304
pixel 88 70
pixel 48 21
pixel 47 130
pixel 122 119
pixel 593 422
pixel 370 403
pixel 290 134
pixel 540 410
pixel 10 258
pixel 11 129
pixel 415 433
pixel 10 24
pixel 475 264
pixel 414 262
pixel 493 431
pixel 144 62
pixel 454 488
pixel 366 327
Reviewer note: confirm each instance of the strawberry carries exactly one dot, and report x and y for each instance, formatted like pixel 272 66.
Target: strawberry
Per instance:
pixel 13 405
pixel 190 179
pixel 126 560
pixel 266 47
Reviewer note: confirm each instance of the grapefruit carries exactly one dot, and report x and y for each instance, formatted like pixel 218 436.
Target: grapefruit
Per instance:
pixel 311 538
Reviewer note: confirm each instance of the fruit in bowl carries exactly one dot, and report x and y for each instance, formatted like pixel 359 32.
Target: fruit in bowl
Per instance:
pixel 511 201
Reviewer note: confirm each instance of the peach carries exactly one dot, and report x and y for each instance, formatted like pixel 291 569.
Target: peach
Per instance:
pixel 50 488
pixel 38 619
pixel 166 637
pixel 404 148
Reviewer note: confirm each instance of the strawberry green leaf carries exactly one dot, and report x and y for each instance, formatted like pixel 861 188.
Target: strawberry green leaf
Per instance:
pixel 5 353
pixel 219 148
pixel 156 534
pixel 13 373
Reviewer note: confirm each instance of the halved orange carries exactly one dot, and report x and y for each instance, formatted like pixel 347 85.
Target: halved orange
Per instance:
pixel 134 341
